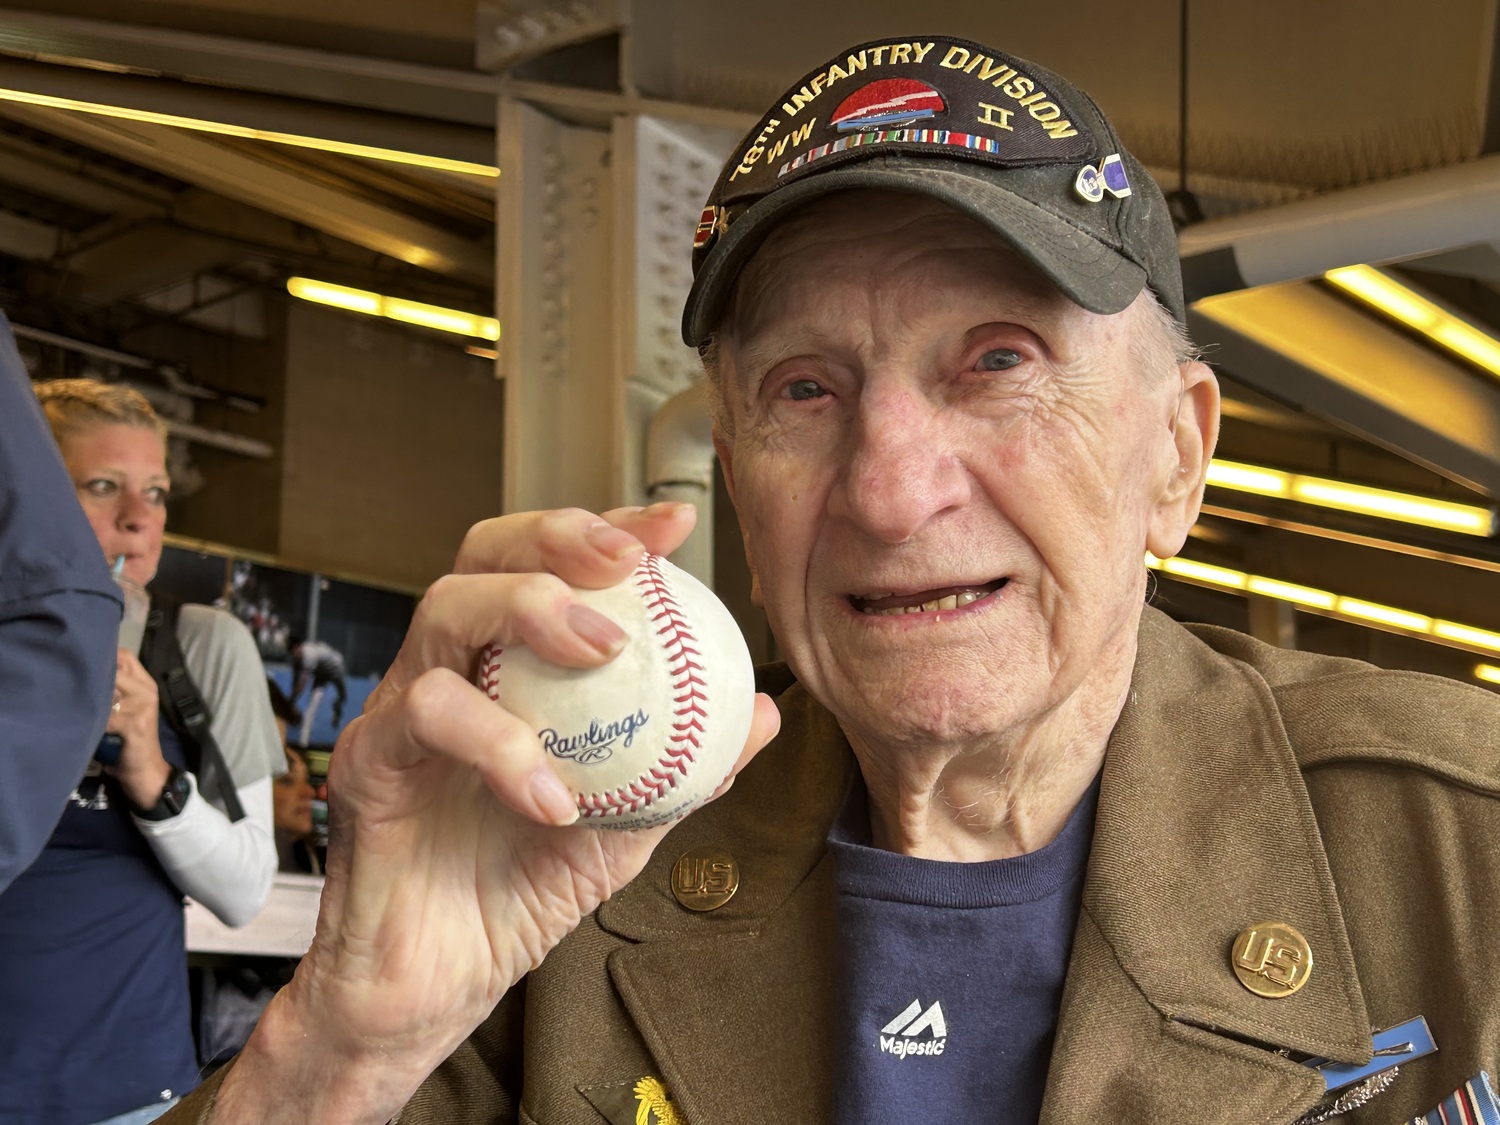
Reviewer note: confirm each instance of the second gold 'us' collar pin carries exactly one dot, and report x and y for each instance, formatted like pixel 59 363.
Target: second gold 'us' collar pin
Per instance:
pixel 705 878
pixel 1271 959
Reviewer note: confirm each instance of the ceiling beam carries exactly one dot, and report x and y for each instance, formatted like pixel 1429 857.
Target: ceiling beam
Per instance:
pixel 25 238
pixel 27 166
pixel 1381 222
pixel 1302 345
pixel 240 176
pixel 442 94
pixel 299 117
pixel 1490 107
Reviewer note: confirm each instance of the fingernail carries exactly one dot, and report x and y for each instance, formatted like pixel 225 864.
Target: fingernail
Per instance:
pixel 552 798
pixel 667 508
pixel 598 631
pixel 611 541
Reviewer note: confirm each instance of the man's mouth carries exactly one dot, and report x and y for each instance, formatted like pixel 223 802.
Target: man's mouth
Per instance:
pixel 924 601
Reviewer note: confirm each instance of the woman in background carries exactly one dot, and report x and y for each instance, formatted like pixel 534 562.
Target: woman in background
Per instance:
pixel 96 1022
pixel 297 847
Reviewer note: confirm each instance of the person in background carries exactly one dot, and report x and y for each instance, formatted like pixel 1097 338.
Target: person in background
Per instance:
pixel 1025 849
pixel 93 978
pixel 59 616
pixel 297 850
pixel 321 665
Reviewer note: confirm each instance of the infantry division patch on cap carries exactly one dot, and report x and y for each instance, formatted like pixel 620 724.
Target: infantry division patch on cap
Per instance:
pixel 1010 143
pixel 919 96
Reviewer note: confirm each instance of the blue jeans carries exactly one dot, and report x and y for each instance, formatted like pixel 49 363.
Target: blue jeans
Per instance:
pixel 141 1116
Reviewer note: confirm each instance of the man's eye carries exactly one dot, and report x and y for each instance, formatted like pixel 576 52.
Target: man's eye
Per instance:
pixel 803 389
pixel 100 487
pixel 998 360
pixel 157 496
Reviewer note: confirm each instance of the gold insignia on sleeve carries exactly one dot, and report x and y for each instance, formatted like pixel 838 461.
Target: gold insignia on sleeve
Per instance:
pixel 652 1106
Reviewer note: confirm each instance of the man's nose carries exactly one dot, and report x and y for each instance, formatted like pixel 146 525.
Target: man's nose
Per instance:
pixel 903 467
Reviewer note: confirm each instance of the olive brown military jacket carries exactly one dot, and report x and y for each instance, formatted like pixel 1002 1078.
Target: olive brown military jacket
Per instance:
pixel 1243 785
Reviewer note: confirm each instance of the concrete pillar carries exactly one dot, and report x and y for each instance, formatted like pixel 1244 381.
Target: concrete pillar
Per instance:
pixel 594 244
pixel 558 312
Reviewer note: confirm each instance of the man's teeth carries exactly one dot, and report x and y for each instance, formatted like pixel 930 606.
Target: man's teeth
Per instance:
pixel 952 601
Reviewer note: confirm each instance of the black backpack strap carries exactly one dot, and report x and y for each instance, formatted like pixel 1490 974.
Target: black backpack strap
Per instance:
pixel 161 654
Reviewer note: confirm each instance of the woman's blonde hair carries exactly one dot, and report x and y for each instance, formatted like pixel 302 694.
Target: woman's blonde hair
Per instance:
pixel 75 405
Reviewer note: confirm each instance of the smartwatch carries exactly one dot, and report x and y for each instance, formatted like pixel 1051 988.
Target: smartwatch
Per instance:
pixel 174 795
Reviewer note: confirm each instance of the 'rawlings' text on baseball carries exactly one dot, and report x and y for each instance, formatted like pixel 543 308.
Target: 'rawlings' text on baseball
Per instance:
pixel 596 743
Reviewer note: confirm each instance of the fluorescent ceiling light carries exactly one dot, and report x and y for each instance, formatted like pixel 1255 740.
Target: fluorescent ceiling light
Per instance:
pixel 1488 673
pixel 394 308
pixel 1466 519
pixel 1385 293
pixel 343 148
pixel 1331 604
pixel 1290 592
pixel 1202 572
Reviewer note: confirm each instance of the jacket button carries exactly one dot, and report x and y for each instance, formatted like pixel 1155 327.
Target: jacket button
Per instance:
pixel 705 878
pixel 1271 959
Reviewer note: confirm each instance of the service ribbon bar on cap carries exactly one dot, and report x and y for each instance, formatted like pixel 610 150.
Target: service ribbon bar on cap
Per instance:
pixel 973 98
pixel 1017 147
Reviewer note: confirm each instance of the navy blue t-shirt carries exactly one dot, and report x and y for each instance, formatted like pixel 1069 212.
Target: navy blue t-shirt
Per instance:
pixel 951 975
pixel 94 1010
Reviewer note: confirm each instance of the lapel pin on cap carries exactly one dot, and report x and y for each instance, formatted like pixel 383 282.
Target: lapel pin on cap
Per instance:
pixel 1092 183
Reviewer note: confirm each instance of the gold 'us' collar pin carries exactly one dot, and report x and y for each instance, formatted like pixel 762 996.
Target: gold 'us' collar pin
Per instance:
pixel 1271 959
pixel 705 878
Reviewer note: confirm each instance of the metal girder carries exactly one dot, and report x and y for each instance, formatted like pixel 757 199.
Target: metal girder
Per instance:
pixel 1441 209
pixel 439 93
pixel 1300 344
pixel 31 167
pixel 266 112
pixel 240 176
pixel 560 310
pixel 141 259
pixel 27 239
pixel 512 31
pixel 599 107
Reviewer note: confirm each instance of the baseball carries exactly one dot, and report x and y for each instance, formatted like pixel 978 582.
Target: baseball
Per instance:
pixel 649 736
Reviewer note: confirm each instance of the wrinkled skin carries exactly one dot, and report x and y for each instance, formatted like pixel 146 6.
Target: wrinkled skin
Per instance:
pixel 873 450
pixel 454 864
pixel 912 410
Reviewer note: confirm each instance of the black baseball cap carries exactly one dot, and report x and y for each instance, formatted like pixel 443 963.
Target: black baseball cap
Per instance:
pixel 1015 146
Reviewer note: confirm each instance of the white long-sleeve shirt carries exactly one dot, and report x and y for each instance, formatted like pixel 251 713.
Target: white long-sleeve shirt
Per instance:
pixel 227 866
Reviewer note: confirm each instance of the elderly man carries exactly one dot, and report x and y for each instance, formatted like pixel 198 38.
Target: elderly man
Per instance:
pixel 1022 850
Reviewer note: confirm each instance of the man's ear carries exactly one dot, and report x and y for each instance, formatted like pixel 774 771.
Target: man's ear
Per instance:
pixel 725 449
pixel 726 461
pixel 1195 432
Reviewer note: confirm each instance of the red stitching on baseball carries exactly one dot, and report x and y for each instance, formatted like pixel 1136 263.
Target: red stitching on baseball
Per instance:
pixel 690 699
pixel 489 675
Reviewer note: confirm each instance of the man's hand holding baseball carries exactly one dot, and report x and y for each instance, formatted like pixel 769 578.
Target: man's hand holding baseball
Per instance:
pixel 455 863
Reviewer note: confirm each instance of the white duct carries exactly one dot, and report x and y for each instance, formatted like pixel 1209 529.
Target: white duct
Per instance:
pixel 1420 214
pixel 680 466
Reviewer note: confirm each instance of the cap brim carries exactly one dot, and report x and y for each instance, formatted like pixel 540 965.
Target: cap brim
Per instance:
pixel 1087 271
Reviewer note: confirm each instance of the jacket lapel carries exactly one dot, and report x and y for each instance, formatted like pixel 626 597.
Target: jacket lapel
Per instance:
pixel 735 1004
pixel 1204 829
